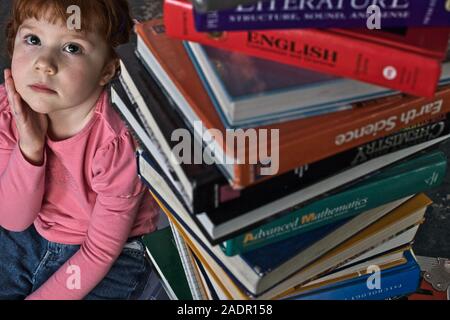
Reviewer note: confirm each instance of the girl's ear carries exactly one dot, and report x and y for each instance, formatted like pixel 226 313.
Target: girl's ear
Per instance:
pixel 109 71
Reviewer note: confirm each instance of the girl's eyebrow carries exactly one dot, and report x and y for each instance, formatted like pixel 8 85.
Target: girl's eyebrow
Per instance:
pixel 26 26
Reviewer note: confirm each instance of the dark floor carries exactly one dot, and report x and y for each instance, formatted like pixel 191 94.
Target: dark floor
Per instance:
pixel 433 238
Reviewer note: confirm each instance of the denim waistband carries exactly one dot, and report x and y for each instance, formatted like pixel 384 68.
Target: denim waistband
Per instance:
pixel 57 247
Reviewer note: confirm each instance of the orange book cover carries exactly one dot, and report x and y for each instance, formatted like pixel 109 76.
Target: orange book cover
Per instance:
pixel 301 141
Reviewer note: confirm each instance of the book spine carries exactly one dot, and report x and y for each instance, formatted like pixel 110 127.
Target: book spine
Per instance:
pixel 317 50
pixel 197 290
pixel 208 5
pixel 346 135
pixel 254 196
pixel 280 14
pixel 395 282
pixel 423 174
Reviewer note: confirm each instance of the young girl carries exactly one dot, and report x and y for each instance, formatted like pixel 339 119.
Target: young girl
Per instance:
pixel 72 208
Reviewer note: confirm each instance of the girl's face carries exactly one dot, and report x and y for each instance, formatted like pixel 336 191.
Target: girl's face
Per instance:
pixel 69 63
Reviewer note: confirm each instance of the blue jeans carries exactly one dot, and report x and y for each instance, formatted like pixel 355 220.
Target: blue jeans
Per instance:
pixel 27 260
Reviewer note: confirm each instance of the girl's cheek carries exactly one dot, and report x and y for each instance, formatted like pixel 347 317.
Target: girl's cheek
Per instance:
pixel 19 65
pixel 22 57
pixel 82 74
pixel 19 69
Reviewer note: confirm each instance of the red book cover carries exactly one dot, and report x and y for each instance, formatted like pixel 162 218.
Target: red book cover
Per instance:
pixel 325 51
pixel 301 141
pixel 428 41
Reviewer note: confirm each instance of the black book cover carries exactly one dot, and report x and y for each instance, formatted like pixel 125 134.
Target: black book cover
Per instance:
pixel 204 179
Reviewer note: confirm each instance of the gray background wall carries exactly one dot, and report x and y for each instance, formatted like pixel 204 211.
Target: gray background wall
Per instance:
pixel 433 238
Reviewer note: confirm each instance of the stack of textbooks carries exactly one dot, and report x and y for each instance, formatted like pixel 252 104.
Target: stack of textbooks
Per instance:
pixel 291 161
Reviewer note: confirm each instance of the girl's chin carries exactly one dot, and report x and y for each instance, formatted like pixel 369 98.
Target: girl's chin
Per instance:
pixel 39 104
pixel 41 107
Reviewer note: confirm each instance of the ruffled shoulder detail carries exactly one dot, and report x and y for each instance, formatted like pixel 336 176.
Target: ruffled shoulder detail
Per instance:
pixel 115 169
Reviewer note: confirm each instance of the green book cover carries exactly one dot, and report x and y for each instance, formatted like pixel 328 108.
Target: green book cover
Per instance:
pixel 395 182
pixel 165 257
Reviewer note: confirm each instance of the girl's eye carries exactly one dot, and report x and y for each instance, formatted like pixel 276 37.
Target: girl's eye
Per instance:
pixel 73 49
pixel 32 40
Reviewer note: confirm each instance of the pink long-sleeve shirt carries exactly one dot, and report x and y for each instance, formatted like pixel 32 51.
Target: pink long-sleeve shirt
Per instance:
pixel 86 192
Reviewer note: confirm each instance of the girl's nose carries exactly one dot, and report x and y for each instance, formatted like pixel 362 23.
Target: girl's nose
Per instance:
pixel 45 66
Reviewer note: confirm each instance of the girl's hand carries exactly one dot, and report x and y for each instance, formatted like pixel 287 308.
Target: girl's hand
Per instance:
pixel 32 126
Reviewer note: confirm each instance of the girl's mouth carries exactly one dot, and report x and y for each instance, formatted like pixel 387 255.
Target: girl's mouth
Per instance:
pixel 42 89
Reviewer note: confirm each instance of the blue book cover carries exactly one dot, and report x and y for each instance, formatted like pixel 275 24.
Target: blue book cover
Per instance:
pixel 265 259
pixel 393 282
pixel 249 91
pixel 291 14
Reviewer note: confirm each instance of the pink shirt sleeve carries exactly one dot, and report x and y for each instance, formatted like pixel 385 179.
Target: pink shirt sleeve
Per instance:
pixel 19 179
pixel 119 194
